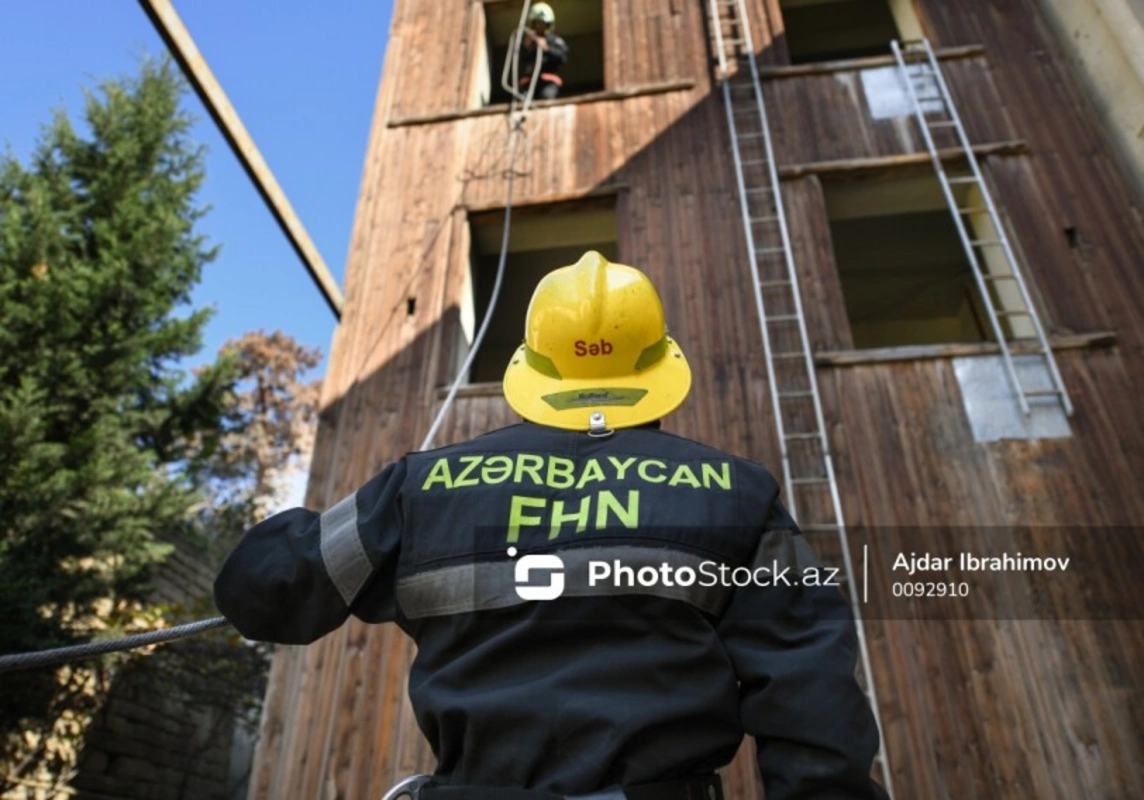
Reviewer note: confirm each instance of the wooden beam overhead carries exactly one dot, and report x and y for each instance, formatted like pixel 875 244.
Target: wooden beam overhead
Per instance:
pixel 923 352
pixel 591 97
pixel 860 166
pixel 593 197
pixel 856 64
pixel 194 66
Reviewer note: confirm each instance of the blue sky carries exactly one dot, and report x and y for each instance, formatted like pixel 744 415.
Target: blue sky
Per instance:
pixel 301 74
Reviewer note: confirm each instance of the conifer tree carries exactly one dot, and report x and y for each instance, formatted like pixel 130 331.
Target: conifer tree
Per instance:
pixel 98 256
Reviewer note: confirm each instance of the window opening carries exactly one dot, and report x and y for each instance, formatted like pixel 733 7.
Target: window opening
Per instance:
pixel 905 277
pixel 541 240
pixel 830 30
pixel 580 23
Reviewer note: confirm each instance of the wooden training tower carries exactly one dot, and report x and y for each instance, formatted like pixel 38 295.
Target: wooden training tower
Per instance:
pixel 1031 685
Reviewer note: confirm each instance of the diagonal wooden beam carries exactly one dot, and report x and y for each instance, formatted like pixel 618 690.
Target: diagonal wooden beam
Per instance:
pixel 194 66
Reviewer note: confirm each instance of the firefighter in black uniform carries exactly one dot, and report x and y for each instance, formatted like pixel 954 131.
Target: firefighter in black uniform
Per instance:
pixel 539 38
pixel 601 609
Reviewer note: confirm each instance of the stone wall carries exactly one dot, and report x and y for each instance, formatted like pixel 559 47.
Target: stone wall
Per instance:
pixel 149 742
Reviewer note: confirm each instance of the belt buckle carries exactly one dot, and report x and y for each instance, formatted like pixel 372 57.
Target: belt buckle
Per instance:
pixel 410 787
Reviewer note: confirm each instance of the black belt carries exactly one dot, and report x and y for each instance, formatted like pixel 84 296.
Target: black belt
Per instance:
pixel 708 787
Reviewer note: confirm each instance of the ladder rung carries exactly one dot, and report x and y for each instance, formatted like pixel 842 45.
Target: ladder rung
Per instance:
pixel 809 480
pixel 734 41
pixel 999 277
pixel 972 210
pixel 963 179
pixel 1040 392
pixel 1014 313
pixel 769 250
pixel 754 162
pixel 783 318
pixel 758 135
pixel 805 393
pixel 762 219
pixel 814 435
pixel 941 123
pixel 985 242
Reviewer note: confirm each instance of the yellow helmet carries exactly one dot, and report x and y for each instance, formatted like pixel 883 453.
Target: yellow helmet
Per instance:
pixel 595 341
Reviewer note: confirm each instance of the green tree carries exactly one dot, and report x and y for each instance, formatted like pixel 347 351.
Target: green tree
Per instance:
pixel 99 428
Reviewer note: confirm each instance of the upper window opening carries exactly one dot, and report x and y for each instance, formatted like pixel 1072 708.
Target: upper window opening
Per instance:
pixel 905 277
pixel 540 240
pixel 579 24
pixel 829 30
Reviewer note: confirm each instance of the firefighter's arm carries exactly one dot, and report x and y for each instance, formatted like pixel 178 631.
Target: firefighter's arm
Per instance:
pixel 557 52
pixel 794 649
pixel 298 575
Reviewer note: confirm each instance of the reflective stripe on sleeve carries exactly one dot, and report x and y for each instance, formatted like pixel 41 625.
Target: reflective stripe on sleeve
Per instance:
pixel 343 553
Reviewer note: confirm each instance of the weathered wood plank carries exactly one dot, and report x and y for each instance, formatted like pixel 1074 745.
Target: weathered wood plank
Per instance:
pixel 842 358
pixel 852 64
pixel 1036 703
pixel 868 167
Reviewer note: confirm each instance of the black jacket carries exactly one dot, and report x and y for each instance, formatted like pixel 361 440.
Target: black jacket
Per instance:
pixel 608 684
pixel 554 56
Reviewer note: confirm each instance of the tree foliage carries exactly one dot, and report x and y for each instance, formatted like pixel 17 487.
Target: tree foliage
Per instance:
pixel 248 471
pixel 97 253
pixel 108 450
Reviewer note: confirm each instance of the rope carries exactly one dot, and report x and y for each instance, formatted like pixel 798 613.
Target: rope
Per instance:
pixel 81 652
pixel 514 142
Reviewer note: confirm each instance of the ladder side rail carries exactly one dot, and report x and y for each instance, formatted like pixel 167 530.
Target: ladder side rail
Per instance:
pixel 966 244
pixel 752 255
pixel 788 255
pixel 859 624
pixel 716 27
pixel 780 215
pixel 780 218
pixel 995 218
pixel 792 272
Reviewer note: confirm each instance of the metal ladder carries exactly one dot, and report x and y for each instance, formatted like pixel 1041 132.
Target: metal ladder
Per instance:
pixel 808 469
pixel 935 112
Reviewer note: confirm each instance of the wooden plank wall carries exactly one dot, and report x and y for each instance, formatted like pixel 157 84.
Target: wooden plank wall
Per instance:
pixel 1025 706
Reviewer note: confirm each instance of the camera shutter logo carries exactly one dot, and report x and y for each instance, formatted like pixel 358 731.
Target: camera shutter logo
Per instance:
pixel 527 565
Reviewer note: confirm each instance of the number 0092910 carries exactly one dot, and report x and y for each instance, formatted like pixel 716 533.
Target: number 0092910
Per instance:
pixel 931 589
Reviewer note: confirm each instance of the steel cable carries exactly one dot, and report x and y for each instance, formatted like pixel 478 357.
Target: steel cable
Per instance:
pixel 81 652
